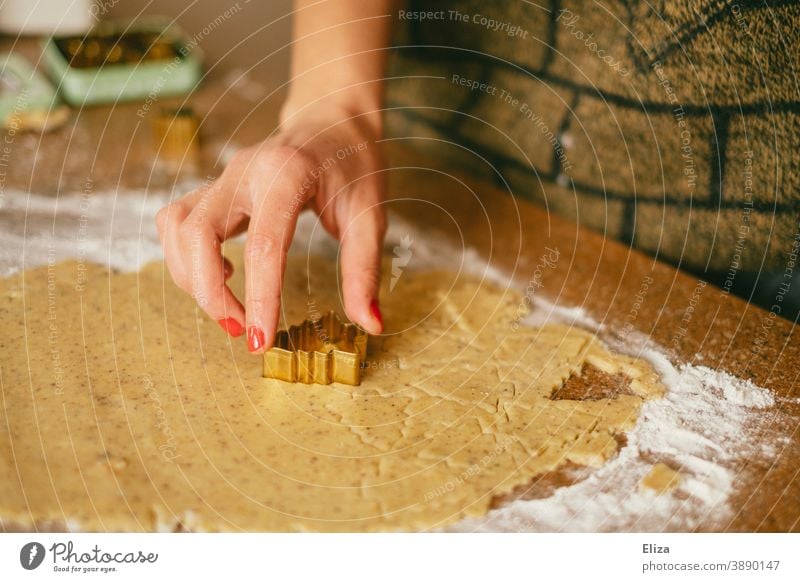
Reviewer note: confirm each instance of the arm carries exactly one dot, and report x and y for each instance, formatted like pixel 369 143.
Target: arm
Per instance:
pixel 333 107
pixel 338 58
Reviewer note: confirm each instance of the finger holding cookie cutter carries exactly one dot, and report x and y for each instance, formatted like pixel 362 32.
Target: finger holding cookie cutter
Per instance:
pixel 318 351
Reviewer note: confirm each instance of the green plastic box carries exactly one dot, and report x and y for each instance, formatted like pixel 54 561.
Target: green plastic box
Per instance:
pixel 23 89
pixel 143 80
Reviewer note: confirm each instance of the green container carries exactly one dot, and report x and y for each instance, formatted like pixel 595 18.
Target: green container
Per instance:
pixel 127 81
pixel 23 89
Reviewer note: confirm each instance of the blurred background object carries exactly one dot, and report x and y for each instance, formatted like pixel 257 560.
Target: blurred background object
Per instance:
pixel 251 36
pixel 28 102
pixel 45 17
pixel 176 134
pixel 122 61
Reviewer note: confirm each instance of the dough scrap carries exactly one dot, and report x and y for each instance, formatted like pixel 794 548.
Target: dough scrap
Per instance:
pixel 126 409
pixel 661 479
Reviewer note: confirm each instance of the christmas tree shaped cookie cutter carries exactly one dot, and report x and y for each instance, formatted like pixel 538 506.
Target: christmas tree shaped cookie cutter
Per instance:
pixel 318 351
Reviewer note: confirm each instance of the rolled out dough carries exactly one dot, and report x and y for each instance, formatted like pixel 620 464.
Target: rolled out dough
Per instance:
pixel 126 409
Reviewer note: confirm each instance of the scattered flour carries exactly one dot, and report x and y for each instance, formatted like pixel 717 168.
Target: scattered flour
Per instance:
pixel 115 229
pixel 245 85
pixel 741 392
pixel 700 428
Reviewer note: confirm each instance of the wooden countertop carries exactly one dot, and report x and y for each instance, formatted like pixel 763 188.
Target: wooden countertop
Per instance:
pixel 114 149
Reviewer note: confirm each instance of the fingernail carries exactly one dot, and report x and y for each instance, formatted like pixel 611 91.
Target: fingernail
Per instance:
pixel 376 311
pixel 233 327
pixel 255 339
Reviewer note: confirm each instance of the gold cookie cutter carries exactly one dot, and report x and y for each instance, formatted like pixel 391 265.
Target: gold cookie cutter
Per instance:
pixel 318 351
pixel 176 135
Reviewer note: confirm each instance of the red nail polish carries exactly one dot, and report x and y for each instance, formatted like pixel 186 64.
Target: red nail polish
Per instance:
pixel 232 326
pixel 255 339
pixel 376 311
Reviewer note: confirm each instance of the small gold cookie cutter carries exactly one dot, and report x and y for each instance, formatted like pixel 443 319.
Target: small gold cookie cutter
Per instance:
pixel 318 351
pixel 176 136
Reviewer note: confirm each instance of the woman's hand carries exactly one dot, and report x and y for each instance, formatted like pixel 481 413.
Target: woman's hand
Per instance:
pixel 325 158
pixel 328 162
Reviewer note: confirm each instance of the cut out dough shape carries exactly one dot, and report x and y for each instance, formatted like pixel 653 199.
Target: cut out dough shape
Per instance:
pixel 127 409
pixel 661 479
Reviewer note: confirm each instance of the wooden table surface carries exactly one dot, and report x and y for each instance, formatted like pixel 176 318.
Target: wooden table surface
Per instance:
pixel 114 148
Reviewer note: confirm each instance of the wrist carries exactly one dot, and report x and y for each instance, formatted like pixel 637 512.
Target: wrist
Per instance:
pixel 361 106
